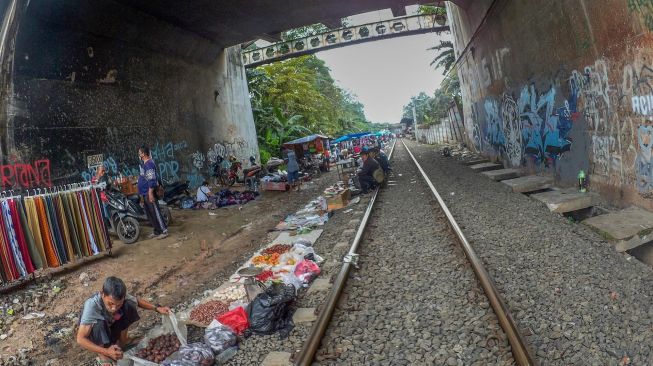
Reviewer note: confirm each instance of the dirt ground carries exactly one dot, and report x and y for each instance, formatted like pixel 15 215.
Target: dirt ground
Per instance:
pixel 201 252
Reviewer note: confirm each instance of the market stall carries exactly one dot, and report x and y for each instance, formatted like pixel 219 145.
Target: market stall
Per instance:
pixel 308 145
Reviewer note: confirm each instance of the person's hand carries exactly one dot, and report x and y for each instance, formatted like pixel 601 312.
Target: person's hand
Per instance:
pixel 162 310
pixel 114 352
pixel 150 197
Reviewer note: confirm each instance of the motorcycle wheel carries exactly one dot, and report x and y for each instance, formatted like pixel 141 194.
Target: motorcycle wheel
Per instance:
pixel 231 181
pixel 167 215
pixel 128 230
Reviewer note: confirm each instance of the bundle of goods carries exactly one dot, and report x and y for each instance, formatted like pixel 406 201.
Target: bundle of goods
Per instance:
pixel 219 337
pixel 159 348
pixel 204 313
pixel 278 177
pixel 228 198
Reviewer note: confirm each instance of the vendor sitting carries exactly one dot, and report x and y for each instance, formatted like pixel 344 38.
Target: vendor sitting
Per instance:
pixel 105 319
pixel 366 174
pixel 203 192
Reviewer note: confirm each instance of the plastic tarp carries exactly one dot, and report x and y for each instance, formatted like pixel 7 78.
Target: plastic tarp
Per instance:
pixel 350 136
pixel 305 139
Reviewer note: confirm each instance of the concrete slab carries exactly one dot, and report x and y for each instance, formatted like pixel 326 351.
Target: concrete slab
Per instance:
pixel 320 284
pixel 341 245
pixel 529 183
pixel 475 161
pixel 277 359
pixel 502 174
pixel 483 167
pixel 566 200
pixel 623 224
pixel 304 315
pixel 632 243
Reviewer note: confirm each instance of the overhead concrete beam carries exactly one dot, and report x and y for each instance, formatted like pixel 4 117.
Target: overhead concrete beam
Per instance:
pixel 271 37
pixel 398 11
pixel 332 23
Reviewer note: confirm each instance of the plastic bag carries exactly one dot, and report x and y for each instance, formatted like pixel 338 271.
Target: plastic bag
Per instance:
pixel 302 250
pixel 290 258
pixel 219 337
pixel 198 353
pixel 306 271
pixel 178 363
pixel 270 311
pixel 169 324
pixel 291 279
pixel 303 241
pixel 238 303
pixel 235 319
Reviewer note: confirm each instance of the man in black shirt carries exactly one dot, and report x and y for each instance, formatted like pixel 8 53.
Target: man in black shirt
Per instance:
pixel 366 172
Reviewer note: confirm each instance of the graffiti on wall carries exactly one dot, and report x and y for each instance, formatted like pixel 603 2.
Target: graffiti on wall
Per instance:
pixel 645 9
pixel 20 175
pixel 175 162
pixel 531 127
pixel 644 172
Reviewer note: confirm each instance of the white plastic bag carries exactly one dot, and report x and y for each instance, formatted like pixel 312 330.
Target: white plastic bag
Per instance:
pixel 219 337
pixel 291 279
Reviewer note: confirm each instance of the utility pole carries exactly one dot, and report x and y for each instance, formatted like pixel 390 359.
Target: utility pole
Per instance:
pixel 415 122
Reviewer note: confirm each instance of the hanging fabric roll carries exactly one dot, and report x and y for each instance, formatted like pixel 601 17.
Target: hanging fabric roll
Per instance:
pixel 36 254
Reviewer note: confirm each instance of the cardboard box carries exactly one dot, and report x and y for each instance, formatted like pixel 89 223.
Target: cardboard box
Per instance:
pixel 339 201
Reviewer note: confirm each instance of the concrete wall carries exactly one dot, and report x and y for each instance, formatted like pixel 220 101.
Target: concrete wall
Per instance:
pixel 559 86
pixel 105 78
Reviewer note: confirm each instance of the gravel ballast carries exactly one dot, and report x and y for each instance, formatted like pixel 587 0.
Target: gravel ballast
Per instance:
pixel 584 303
pixel 414 300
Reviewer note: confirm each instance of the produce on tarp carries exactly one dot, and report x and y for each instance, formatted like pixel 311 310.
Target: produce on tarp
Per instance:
pixel 266 259
pixel 277 248
pixel 205 312
pixel 159 348
pixel 306 271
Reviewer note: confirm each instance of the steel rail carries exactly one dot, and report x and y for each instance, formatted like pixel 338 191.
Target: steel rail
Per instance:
pixel 520 350
pixel 310 346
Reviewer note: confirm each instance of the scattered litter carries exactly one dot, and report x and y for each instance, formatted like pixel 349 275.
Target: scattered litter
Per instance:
pixel 348 210
pixel 400 174
pixel 3 337
pixel 175 245
pixel 31 316
pixel 212 213
pixel 452 193
pixel 56 289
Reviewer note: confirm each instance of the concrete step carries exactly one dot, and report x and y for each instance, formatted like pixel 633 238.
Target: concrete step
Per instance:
pixel 502 174
pixel 483 167
pixel 566 200
pixel 475 161
pixel 624 224
pixel 529 183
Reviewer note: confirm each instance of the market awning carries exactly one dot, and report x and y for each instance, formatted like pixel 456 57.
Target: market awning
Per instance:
pixel 305 139
pixel 350 136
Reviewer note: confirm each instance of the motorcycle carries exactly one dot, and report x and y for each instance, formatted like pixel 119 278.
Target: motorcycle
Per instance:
pixel 125 216
pixel 175 192
pixel 231 176
pixel 219 173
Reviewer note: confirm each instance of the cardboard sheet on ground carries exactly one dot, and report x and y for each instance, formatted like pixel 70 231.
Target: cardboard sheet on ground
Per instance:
pixel 286 238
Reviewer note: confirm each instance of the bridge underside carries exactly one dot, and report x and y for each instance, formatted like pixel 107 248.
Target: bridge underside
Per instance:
pixel 105 76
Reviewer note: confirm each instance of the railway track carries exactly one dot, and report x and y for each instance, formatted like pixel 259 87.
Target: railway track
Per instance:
pixel 420 294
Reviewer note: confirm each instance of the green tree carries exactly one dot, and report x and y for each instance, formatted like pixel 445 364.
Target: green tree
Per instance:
pixel 446 57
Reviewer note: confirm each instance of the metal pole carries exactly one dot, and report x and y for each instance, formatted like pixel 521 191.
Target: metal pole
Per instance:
pixel 415 122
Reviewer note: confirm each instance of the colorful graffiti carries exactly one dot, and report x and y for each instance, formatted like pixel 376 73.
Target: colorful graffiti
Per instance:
pixel 531 127
pixel 18 175
pixel 643 164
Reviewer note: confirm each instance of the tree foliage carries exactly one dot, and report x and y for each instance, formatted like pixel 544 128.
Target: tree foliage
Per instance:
pixel 431 109
pixel 298 97
pixel 445 58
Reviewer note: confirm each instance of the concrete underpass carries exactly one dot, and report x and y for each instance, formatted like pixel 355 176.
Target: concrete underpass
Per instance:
pixel 552 92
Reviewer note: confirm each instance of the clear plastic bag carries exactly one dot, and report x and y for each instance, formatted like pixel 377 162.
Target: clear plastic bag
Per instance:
pixel 198 353
pixel 306 271
pixel 169 324
pixel 219 337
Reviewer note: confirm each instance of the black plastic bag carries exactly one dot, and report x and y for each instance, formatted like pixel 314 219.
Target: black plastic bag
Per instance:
pixel 271 311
